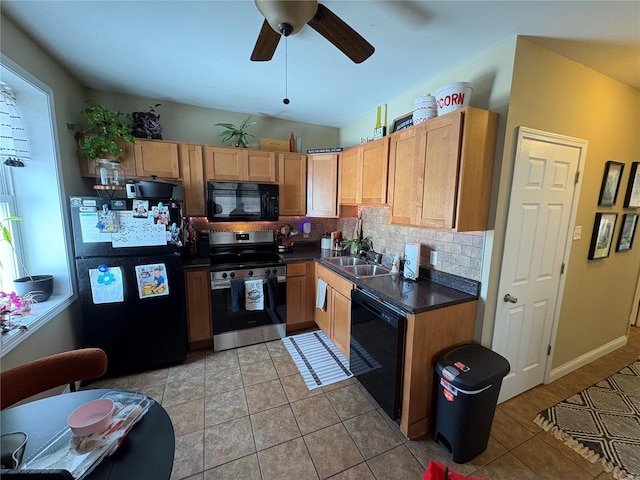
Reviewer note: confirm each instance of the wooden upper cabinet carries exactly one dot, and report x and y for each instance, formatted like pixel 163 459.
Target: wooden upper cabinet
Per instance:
pixel 401 175
pixel 322 185
pixel 229 164
pixel 292 179
pixel 363 174
pixel 259 166
pixel 192 168
pixel 350 176
pixel 375 167
pixel 440 171
pixel 223 164
pixel 437 151
pixel 156 157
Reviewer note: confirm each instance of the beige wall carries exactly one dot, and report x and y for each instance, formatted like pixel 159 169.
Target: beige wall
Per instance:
pixel 58 334
pixel 188 123
pixel 554 94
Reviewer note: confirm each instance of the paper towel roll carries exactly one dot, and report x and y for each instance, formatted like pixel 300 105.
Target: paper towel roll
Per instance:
pixel 411 261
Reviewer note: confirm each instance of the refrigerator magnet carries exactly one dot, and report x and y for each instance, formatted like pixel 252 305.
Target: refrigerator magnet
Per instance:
pixel 107 221
pixel 118 204
pixel 141 209
pixel 152 280
pixel 161 214
pixel 106 284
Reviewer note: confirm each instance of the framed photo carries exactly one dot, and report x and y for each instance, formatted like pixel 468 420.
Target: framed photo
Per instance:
pixel 400 123
pixel 610 183
pixel 632 198
pixel 602 234
pixel 627 232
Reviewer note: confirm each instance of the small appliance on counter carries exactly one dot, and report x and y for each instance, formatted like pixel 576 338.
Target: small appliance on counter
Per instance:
pixel 325 242
pixel 411 261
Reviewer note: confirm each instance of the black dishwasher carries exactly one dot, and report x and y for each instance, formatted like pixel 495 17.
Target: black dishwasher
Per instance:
pixel 377 349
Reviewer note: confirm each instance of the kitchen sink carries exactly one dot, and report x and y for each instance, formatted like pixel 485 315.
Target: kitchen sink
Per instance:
pixel 346 261
pixel 367 270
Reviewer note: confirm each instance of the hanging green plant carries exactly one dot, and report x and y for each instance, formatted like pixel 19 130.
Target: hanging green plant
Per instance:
pixel 237 135
pixel 99 138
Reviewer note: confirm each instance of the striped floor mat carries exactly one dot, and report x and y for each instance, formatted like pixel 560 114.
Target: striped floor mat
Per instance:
pixel 319 361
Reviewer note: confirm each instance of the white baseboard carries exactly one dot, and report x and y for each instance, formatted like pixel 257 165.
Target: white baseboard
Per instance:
pixel 585 359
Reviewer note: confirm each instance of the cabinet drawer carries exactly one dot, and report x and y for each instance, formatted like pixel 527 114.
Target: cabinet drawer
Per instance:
pixel 296 269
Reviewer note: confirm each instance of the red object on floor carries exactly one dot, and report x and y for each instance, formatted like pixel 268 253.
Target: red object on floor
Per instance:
pixel 436 471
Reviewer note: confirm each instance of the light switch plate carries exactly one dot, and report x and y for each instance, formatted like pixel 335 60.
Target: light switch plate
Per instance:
pixel 434 258
pixel 577 232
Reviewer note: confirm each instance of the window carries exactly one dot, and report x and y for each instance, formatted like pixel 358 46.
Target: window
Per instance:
pixel 35 193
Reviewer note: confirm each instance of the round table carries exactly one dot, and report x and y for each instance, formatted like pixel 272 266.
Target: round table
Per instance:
pixel 146 452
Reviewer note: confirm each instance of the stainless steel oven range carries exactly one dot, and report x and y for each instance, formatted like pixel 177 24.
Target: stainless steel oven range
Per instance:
pixel 248 289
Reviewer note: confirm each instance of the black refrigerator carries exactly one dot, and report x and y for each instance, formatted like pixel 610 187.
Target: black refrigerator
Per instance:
pixel 130 280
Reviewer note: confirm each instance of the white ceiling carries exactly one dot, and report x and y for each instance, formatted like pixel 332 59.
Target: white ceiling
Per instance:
pixel 197 52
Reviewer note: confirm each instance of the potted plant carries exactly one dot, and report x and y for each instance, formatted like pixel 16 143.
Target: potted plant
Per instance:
pixel 37 288
pixel 147 124
pixel 238 135
pixel 104 127
pixel 359 244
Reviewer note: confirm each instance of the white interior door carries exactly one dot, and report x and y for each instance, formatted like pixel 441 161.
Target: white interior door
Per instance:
pixel 536 243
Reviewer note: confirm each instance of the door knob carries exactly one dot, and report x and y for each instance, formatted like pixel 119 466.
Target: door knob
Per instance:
pixel 508 298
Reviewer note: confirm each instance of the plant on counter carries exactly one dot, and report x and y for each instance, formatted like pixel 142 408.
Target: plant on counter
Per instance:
pixel 359 244
pixel 99 138
pixel 238 135
pixel 147 124
pixel 8 237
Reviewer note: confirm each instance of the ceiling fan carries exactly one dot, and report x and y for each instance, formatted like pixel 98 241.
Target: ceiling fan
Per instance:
pixel 286 17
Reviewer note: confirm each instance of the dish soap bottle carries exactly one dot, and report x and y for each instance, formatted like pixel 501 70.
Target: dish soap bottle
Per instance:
pixel 395 264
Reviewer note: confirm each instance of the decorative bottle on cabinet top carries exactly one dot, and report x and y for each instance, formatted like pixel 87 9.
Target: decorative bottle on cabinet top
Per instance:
pixel 292 143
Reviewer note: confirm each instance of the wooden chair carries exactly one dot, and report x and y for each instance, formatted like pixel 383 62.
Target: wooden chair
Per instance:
pixel 46 373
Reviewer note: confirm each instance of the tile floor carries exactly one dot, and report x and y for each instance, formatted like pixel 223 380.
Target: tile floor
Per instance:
pixel 246 414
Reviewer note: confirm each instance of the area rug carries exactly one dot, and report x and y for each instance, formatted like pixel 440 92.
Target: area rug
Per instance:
pixel 319 361
pixel 602 422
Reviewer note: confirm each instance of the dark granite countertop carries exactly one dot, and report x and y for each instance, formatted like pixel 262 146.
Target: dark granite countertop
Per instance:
pixel 196 262
pixel 434 289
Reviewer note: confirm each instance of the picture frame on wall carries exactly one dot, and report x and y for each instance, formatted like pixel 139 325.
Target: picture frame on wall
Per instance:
pixel 627 232
pixel 602 235
pixel 610 183
pixel 632 198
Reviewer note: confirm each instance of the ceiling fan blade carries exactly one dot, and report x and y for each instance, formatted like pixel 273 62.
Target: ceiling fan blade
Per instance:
pixel 266 44
pixel 345 38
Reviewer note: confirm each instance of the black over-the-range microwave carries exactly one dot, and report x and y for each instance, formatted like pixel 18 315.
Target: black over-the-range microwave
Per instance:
pixel 242 202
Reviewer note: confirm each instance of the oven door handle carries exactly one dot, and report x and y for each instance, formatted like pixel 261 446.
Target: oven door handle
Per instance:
pixel 226 286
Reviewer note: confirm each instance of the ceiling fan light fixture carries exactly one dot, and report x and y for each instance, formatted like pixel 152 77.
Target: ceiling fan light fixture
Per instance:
pixel 293 14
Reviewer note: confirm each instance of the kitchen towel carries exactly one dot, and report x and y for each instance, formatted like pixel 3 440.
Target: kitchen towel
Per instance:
pixel 272 291
pixel 253 295
pixel 237 294
pixel 321 295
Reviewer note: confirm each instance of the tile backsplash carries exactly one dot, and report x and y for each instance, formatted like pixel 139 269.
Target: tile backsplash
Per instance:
pixel 458 253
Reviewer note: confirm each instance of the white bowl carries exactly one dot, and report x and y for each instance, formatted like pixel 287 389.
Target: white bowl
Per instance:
pixel 92 417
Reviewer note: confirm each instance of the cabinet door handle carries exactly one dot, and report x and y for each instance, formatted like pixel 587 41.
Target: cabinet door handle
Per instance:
pixel 509 299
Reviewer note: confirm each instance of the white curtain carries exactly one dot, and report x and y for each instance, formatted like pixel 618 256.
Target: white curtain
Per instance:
pixel 13 139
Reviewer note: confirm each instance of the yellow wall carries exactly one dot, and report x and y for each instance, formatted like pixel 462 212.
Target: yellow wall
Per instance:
pixel 551 93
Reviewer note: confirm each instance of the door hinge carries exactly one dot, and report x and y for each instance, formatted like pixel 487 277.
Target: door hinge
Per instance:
pixel 548 350
pixel 562 268
pixel 577 176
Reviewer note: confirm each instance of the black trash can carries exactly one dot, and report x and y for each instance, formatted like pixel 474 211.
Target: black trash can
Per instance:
pixel 469 380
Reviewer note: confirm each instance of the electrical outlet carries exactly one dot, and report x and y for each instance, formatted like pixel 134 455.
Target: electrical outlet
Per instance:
pixel 434 258
pixel 577 232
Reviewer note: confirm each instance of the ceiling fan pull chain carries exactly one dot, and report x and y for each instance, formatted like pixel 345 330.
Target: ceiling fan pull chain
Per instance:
pixel 286 71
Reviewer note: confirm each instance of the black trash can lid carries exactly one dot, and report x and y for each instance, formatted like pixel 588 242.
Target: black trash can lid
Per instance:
pixel 472 367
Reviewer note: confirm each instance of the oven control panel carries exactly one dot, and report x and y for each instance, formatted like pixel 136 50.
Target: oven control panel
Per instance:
pixel 248 273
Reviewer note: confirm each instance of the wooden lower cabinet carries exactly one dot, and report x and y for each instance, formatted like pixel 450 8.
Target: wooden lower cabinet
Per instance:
pixel 335 319
pixel 428 335
pixel 198 298
pixel 300 296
